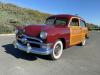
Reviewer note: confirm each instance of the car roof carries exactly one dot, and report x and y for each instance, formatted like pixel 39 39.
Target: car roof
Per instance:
pixel 66 16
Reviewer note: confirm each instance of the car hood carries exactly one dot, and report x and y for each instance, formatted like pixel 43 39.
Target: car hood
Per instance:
pixel 34 30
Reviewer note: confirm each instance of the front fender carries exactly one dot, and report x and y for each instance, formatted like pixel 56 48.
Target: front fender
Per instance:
pixel 59 33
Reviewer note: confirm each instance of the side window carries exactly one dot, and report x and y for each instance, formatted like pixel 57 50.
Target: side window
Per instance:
pixel 82 23
pixel 74 22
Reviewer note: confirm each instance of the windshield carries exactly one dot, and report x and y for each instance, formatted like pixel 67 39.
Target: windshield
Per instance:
pixel 57 21
pixel 50 21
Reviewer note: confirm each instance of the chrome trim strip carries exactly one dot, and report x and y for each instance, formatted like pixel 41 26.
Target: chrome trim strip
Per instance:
pixel 33 42
pixel 33 38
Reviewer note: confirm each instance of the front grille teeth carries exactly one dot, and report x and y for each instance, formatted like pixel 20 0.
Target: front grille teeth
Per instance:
pixel 34 42
pixel 33 38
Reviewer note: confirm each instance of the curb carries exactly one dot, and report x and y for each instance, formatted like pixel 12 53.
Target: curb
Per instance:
pixel 7 34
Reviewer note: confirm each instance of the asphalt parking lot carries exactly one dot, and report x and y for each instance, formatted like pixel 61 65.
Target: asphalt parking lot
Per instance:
pixel 75 60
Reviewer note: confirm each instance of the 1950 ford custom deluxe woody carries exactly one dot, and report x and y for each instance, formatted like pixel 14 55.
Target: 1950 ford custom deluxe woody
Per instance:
pixel 58 33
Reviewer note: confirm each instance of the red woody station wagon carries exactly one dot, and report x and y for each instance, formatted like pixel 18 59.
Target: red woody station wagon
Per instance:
pixel 58 33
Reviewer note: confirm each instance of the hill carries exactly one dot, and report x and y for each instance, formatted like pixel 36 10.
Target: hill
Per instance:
pixel 12 15
pixel 93 26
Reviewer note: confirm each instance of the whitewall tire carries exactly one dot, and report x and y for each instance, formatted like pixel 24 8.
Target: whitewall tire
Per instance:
pixel 83 43
pixel 57 50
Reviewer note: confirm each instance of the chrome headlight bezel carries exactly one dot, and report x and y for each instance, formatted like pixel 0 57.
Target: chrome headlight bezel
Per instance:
pixel 43 35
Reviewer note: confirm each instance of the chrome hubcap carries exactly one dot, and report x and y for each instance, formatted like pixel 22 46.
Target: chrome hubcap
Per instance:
pixel 57 49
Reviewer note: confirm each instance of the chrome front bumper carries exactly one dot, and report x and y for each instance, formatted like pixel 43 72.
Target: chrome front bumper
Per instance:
pixel 29 49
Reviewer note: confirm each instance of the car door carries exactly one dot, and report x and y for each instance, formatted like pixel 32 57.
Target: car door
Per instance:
pixel 84 28
pixel 75 31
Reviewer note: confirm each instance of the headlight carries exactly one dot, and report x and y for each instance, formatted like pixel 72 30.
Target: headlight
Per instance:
pixel 43 35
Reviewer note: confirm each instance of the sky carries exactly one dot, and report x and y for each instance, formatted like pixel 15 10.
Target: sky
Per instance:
pixel 87 9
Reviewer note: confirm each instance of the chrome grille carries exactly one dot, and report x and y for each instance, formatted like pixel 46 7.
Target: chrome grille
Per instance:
pixel 33 38
pixel 34 42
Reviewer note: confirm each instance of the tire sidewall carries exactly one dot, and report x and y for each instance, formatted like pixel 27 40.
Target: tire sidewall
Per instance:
pixel 84 42
pixel 54 57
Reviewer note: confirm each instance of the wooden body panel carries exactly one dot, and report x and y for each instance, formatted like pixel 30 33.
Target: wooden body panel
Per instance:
pixel 75 35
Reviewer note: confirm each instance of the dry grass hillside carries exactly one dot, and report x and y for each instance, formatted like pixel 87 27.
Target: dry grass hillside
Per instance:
pixel 12 15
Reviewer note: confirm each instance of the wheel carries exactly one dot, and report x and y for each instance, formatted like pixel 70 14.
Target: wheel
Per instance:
pixel 87 36
pixel 83 43
pixel 57 50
